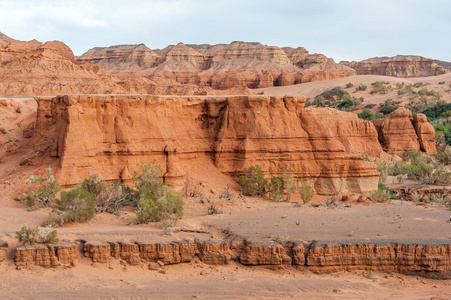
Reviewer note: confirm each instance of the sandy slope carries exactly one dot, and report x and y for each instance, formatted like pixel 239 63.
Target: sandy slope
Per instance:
pixel 312 89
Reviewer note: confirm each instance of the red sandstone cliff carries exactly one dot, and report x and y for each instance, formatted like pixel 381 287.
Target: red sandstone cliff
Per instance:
pixel 220 66
pixel 400 132
pixel 397 66
pixel 112 135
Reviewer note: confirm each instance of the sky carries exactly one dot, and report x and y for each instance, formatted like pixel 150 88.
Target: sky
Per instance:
pixel 340 29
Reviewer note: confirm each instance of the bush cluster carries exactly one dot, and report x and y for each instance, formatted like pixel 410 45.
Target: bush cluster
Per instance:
pixel 151 197
pixel 366 114
pixel 380 87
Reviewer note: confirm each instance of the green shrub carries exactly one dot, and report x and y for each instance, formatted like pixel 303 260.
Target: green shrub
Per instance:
pixel 440 176
pixel 46 193
pixel 31 235
pixel 349 85
pixel 253 181
pixel 383 194
pixel 77 205
pixel 444 157
pixel 159 206
pixel 366 114
pixel 418 84
pixel 290 184
pixel 441 82
pixel 400 85
pixel 27 235
pixel 306 192
pixel 155 202
pixel 399 168
pixel 54 219
pixel 380 87
pixel 388 106
pixel 276 188
pixel 361 87
pixel 95 185
pixel 382 168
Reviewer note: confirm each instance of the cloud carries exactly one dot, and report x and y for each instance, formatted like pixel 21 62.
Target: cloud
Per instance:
pixel 345 29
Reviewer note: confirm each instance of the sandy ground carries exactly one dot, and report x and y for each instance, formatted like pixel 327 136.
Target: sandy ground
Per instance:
pixel 255 219
pixel 312 89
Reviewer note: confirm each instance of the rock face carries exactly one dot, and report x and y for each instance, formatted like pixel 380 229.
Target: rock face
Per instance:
pixel 418 259
pixel 46 256
pixel 3 250
pixel 220 66
pixel 400 132
pixel 398 66
pixel 113 135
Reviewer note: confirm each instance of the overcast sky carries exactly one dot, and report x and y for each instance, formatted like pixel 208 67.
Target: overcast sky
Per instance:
pixel 341 29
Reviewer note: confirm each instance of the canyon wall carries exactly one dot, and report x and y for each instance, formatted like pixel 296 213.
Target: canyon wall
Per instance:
pixel 218 66
pixel 433 260
pixel 114 134
pixel 397 66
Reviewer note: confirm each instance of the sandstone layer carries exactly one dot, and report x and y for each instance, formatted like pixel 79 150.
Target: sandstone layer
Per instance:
pixel 397 66
pixel 3 250
pixel 400 132
pixel 218 66
pixel 46 255
pixel 113 135
pixel 420 259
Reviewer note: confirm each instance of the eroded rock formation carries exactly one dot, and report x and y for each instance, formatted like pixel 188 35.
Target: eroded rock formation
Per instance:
pixel 46 255
pixel 397 66
pixel 219 66
pixel 400 132
pixel 3 250
pixel 433 259
pixel 112 135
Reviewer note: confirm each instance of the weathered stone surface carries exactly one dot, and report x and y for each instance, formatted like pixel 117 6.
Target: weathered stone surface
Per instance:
pixel 3 250
pixel 426 134
pixel 400 132
pixel 396 132
pixel 98 252
pixel 398 66
pixel 172 253
pixel 219 66
pixel 215 253
pixel 323 146
pixel 46 255
pixel 254 255
pixel 389 257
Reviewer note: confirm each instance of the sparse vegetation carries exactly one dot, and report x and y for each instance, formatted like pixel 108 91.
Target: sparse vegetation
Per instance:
pixel 276 188
pixel 77 205
pixel 306 192
pixel 46 192
pixel 290 184
pixel 380 87
pixel 366 114
pixel 381 195
pixel 31 235
pixel 441 82
pixel 388 106
pixel 253 181
pixel 349 85
pixel 155 202
pixel 361 87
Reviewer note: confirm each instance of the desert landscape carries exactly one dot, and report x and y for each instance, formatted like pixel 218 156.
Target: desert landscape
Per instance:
pixel 223 171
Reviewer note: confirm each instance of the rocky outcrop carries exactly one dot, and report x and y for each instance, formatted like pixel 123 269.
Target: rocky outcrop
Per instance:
pixel 3 250
pixel 46 255
pixel 400 132
pixel 430 259
pixel 380 257
pixel 220 66
pixel 426 133
pixel 398 66
pixel 109 134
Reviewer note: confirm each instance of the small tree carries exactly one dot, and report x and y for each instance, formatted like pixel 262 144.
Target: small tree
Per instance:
pixel 155 202
pixel 276 187
pixel 253 181
pixel 77 205
pixel 47 191
pixel 306 192
pixel 290 184
pixel 94 184
pixel 27 235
